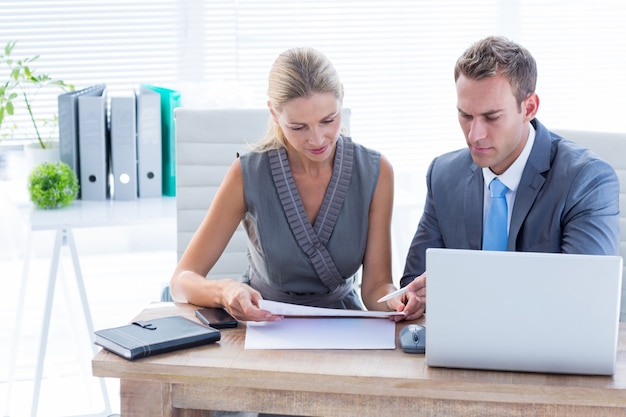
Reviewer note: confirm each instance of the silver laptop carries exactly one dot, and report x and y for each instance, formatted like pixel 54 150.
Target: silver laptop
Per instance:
pixel 522 311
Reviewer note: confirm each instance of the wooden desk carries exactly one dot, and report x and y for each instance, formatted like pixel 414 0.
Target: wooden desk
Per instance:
pixel 225 376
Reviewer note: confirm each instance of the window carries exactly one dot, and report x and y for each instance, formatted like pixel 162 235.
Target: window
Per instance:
pixel 395 58
pixel 120 43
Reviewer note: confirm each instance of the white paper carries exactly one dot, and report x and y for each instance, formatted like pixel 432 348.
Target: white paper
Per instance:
pixel 321 333
pixel 285 309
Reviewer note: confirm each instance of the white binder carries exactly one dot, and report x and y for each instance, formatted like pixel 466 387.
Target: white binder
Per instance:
pixel 93 146
pixel 149 159
pixel 123 147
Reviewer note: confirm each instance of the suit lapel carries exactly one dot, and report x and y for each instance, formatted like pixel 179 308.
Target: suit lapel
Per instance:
pixel 532 180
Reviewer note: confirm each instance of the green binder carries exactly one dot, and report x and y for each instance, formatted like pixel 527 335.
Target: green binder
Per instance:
pixel 170 100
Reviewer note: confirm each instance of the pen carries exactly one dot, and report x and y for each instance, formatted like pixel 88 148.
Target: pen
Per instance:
pixel 393 294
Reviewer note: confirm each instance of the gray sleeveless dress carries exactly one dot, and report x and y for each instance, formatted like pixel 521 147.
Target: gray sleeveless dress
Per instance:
pixel 292 260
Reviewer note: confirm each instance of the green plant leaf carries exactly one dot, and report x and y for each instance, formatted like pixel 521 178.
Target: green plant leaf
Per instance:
pixel 9 47
pixel 25 82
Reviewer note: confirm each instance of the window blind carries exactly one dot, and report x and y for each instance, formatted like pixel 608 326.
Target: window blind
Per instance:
pixel 395 58
pixel 120 43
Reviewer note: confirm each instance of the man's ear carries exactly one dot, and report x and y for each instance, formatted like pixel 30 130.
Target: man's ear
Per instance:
pixel 530 106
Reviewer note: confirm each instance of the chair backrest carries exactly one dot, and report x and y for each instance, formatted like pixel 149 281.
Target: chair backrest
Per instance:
pixel 207 142
pixel 612 148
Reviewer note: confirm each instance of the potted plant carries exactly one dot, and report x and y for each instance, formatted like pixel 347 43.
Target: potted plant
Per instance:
pixel 52 185
pixel 20 89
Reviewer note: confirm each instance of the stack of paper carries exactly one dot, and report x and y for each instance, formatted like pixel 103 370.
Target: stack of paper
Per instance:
pixel 321 328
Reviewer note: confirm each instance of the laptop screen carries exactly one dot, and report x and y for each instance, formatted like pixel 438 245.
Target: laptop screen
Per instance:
pixel 522 311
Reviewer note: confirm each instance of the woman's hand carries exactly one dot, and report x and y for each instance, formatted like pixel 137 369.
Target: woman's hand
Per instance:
pixel 412 302
pixel 242 302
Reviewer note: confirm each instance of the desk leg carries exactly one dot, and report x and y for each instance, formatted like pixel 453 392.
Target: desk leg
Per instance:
pixel 152 399
pixel 145 398
pixel 63 237
pixel 80 283
pixel 54 267
pixel 18 322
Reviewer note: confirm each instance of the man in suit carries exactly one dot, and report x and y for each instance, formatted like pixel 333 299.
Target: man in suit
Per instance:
pixel 560 197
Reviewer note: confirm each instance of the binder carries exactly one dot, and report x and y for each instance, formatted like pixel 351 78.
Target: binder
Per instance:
pixel 123 147
pixel 67 104
pixel 149 178
pixel 170 100
pixel 93 148
pixel 152 337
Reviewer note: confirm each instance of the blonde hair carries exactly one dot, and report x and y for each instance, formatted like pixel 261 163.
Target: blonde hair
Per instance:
pixel 297 72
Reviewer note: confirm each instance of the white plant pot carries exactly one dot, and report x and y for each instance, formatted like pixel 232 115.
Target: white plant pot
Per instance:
pixel 36 155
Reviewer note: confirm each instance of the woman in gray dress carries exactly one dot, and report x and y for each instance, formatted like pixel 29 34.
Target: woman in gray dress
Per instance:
pixel 316 208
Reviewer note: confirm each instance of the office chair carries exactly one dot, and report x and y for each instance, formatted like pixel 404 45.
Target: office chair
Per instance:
pixel 612 148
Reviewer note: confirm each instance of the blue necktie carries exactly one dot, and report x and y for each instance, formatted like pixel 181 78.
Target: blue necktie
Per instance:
pixel 495 234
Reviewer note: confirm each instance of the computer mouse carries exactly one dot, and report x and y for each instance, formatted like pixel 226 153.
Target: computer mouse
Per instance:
pixel 413 338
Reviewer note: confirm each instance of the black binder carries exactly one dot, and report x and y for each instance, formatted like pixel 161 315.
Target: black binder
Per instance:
pixel 152 337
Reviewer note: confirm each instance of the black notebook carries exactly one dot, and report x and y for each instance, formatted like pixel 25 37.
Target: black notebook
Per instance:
pixel 151 337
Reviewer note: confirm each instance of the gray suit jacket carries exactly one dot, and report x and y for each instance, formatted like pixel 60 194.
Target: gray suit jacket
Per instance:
pixel 567 201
